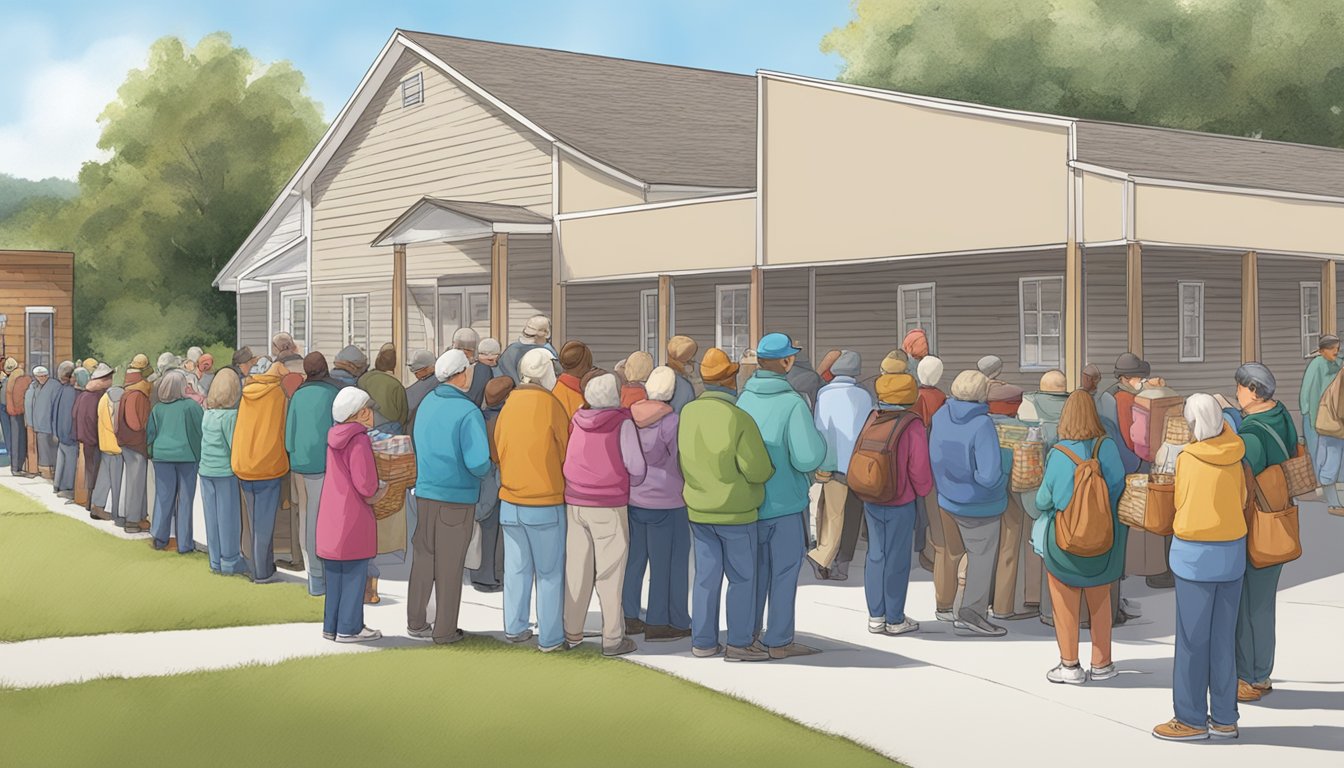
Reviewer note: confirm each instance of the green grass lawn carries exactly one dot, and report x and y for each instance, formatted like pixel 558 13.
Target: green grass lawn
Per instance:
pixel 477 703
pixel 62 577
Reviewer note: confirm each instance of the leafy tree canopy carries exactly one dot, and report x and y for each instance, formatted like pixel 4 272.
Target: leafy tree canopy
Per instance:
pixel 16 193
pixel 1268 68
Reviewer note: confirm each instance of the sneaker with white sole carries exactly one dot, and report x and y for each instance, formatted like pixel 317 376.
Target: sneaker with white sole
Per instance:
pixel 1068 675
pixel 947 616
pixel 521 637
pixel 1133 607
pixel 907 625
pixel 1104 673
pixel 421 634
pixel 1223 731
pixel 970 621
pixel 877 626
pixel 365 635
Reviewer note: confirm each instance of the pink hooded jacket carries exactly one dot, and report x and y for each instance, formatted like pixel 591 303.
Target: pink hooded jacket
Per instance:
pixel 346 527
pixel 603 459
pixel 663 483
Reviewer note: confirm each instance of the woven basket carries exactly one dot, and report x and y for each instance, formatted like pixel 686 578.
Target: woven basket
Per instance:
pixel 1028 466
pixel 1148 503
pixel 1010 434
pixel 398 471
pixel 1176 430
pixel 1134 500
pixel 1301 476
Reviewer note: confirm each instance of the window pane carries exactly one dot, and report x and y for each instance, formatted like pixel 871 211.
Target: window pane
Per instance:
pixel 1030 293
pixel 1051 295
pixel 1031 351
pixel 741 307
pixel 1031 324
pixel 1050 323
pixel 478 305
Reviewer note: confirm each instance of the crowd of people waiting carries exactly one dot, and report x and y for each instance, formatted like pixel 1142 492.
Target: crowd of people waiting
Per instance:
pixel 594 478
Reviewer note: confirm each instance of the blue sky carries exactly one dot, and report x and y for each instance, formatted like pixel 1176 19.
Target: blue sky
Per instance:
pixel 64 60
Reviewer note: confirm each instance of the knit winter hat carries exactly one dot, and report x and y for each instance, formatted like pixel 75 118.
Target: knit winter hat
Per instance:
pixel 896 361
pixel 661 384
pixel 575 358
pixel 11 365
pixel 497 390
pixel 897 389
pixel 930 371
pixel 239 357
pixel 916 343
pixel 89 364
pixel 1130 364
pixel 716 368
pixel 450 363
pixel 488 346
pixel 263 365
pixel 81 377
pixel 602 391
pixel 349 401
pixel 352 354
pixel 638 366
pixel 466 338
pixel 849 363
pixel 421 358
pixel 315 366
pixel 680 351
pixel 282 345
pixel 990 365
pixel 1054 381
pixel 536 367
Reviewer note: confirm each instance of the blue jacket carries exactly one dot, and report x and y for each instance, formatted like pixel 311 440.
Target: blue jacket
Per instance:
pixel 791 439
pixel 969 469
pixel 842 408
pixel 452 452
pixel 63 413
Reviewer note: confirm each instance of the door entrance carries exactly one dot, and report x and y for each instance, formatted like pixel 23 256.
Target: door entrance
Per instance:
pixel 463 306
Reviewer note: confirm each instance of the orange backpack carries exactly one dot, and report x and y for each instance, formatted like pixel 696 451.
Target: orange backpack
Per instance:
pixel 1084 527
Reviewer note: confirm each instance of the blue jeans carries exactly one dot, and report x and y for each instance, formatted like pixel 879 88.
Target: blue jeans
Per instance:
pixel 780 544
pixel 534 546
pixel 1204 676
pixel 263 501
pixel 220 496
pixel 723 550
pixel 343 610
pixel 662 538
pixel 174 495
pixel 891 532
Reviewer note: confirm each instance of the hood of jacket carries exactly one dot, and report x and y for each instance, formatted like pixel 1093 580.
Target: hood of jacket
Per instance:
pixel 962 412
pixel 1221 450
pixel 646 413
pixel 600 419
pixel 261 385
pixel 340 435
pixel 768 384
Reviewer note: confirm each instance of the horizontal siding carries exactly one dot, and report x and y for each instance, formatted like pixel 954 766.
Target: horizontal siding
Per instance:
pixel 1105 307
pixel 252 322
pixel 420 318
pixel 1281 324
pixel 976 309
pixel 605 316
pixel 37 279
pixel 289 228
pixel 786 308
pixel 464 263
pixel 452 146
pixel 328 314
pixel 1339 299
pixel 697 303
pixel 529 282
pixel 1221 275
pixel 275 290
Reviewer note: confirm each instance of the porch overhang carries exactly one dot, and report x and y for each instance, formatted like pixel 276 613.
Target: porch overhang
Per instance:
pixel 433 220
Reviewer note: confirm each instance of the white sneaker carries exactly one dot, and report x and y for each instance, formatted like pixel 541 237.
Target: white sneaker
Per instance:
pixel 877 626
pixel 1104 673
pixel 1132 607
pixel 1070 675
pixel 421 634
pixel 364 636
pixel 947 616
pixel 908 625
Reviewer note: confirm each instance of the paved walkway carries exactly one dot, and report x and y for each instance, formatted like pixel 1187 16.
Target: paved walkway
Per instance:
pixel 929 699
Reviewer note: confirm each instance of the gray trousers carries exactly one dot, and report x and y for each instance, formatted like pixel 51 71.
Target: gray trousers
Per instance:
pixel 309 494
pixel 135 480
pixel 106 493
pixel 980 535
pixel 442 535
pixel 46 449
pixel 67 465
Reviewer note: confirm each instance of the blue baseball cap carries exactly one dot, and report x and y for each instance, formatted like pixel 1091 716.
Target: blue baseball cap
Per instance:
pixel 775 346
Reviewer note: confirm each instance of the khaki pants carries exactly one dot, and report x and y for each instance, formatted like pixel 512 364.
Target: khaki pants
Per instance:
pixel 948 552
pixel 597 544
pixel 442 535
pixel 831 519
pixel 1010 550
pixel 1067 603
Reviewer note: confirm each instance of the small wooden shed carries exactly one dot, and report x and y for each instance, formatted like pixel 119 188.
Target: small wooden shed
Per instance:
pixel 37 292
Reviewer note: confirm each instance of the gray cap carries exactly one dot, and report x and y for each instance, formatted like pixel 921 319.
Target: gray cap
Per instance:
pixel 847 364
pixel 990 365
pixel 352 354
pixel 421 358
pixel 1130 364
pixel 488 346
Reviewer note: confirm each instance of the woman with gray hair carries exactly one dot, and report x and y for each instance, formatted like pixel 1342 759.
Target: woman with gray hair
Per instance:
pixel 1208 559
pixel 174 436
pixel 1270 437
pixel 971 474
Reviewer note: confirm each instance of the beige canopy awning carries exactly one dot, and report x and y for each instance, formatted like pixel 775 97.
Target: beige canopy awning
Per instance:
pixel 432 220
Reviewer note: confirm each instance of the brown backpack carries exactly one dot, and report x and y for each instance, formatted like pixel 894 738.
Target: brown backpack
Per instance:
pixel 1084 527
pixel 870 476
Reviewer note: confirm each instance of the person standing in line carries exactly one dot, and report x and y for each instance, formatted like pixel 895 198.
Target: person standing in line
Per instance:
pixel 286 352
pixel 575 361
pixel 1322 369
pixel 1208 558
pixel 10 365
pixel 174 437
pixel 681 358
pixel 971 473
pixel 916 347
pixel 205 370
pixel 43 397
pixel 86 433
pixel 1004 398
pixel 1075 578
pixel 132 419
pixel 389 398
pixel 531 438
pixel 307 422
pixel 943 549
pixel 891 517
pixel 451 459
pixel 660 532
pixel 347 531
pixel 487 355
pixel 725 465
pixel 536 335
pixel 106 495
pixel 17 384
pixel 220 495
pixel 488 576
pixel 466 340
pixel 638 367
pixel 1042 409
pixel 796 449
pixel 603 461
pixel 351 363
pixel 242 362
pixel 63 431
pixel 842 406
pixel 422 368
pixel 260 461
pixel 802 378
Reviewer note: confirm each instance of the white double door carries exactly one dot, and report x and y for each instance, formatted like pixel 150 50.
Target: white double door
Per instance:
pixel 462 306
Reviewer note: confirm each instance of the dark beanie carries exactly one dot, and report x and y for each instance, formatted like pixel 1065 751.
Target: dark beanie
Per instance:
pixel 497 390
pixel 575 358
pixel 315 366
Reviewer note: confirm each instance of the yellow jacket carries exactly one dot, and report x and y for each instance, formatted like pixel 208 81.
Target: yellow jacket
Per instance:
pixel 569 397
pixel 259 435
pixel 107 431
pixel 531 435
pixel 1211 489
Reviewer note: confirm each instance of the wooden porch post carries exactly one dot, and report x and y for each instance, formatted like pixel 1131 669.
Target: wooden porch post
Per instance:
pixel 1329 298
pixel 1134 297
pixel 664 316
pixel 499 287
pixel 1073 313
pixel 756 320
pixel 399 308
pixel 1250 307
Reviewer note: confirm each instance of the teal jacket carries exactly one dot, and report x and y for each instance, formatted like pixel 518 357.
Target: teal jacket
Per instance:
pixel 306 426
pixel 174 432
pixel 1054 495
pixel 723 460
pixel 1258 431
pixel 791 438
pixel 452 452
pixel 217 442
pixel 1314 381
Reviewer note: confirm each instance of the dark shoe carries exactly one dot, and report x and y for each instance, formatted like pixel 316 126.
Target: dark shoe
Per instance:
pixel 791 650
pixel 625 646
pixel 839 571
pixel 1016 616
pixel 487 588
pixel 634 626
pixel 1161 581
pixel 820 573
pixel 521 637
pixel 706 653
pixel 663 633
pixel 98 513
pixel 970 621
pixel 457 636
pixel 142 526
pixel 1048 621
pixel 735 653
pixel 288 565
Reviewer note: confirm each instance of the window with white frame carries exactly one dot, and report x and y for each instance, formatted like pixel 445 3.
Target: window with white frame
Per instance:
pixel 39 337
pixel 1192 321
pixel 294 316
pixel 413 90
pixel 1041 301
pixel 915 308
pixel 648 321
pixel 356 320
pixel 732 327
pixel 1311 318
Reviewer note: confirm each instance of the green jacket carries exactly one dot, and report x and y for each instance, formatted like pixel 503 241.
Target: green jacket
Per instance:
pixel 306 425
pixel 723 460
pixel 790 434
pixel 389 397
pixel 1258 431
pixel 174 432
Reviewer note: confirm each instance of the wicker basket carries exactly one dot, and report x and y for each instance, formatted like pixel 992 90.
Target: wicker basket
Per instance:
pixel 1301 476
pixel 1028 466
pixel 1010 434
pixel 398 471
pixel 1148 503
pixel 1177 430
pixel 1134 500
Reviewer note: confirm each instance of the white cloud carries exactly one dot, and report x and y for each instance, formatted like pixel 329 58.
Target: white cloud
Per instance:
pixel 53 128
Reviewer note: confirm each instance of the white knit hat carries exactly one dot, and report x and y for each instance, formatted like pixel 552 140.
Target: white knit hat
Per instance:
pixel 603 392
pixel 536 364
pixel 930 371
pixel 661 383
pixel 488 346
pixel 349 401
pixel 449 364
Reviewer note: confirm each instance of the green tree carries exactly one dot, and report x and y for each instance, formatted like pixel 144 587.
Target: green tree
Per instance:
pixel 201 140
pixel 1267 68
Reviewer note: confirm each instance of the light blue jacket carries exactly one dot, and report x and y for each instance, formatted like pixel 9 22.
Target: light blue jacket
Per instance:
pixel 842 408
pixel 969 469
pixel 795 446
pixel 452 451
